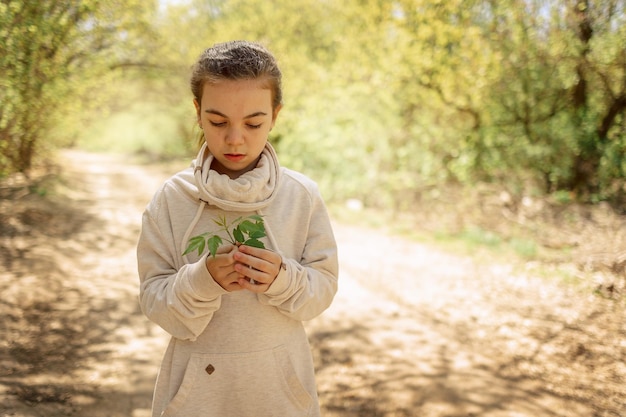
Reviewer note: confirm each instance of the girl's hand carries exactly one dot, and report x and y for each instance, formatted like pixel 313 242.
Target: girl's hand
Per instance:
pixel 222 268
pixel 258 268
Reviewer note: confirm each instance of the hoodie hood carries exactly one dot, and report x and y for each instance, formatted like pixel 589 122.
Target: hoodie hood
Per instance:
pixel 250 192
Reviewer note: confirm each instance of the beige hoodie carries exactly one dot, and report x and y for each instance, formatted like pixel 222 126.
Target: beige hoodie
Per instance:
pixel 236 354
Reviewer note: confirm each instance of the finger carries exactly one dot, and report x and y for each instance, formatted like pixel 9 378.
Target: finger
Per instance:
pixel 223 257
pixel 244 262
pixel 253 286
pixel 230 282
pixel 248 272
pixel 258 259
pixel 225 249
pixel 265 254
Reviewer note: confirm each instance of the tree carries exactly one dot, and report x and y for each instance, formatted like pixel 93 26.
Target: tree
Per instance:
pixel 599 93
pixel 51 50
pixel 534 90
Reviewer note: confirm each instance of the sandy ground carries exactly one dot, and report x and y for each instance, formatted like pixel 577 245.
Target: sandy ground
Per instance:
pixel 413 331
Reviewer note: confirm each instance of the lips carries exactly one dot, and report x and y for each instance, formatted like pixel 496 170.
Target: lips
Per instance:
pixel 234 157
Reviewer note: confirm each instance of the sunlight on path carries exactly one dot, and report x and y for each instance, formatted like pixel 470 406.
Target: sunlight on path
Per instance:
pixel 108 274
pixel 412 331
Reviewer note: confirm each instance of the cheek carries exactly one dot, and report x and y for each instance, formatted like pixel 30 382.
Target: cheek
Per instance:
pixel 263 135
pixel 210 137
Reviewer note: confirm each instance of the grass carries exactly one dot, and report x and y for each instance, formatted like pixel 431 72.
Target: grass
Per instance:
pixel 139 131
pixel 517 247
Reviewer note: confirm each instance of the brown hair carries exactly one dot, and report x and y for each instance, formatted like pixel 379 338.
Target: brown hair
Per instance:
pixel 237 60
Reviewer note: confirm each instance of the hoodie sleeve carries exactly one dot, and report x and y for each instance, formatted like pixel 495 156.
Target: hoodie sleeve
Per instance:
pixel 180 300
pixel 307 286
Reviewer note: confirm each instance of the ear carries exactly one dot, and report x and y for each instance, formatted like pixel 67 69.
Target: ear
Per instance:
pixel 275 113
pixel 197 106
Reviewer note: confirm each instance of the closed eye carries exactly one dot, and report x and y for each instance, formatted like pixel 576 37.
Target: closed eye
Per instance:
pixel 251 126
pixel 216 124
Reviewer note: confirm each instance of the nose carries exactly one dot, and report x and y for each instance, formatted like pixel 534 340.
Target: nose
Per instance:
pixel 234 136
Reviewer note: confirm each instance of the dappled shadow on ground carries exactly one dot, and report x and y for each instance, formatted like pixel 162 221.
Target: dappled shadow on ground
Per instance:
pixel 412 331
pixel 48 323
pixel 72 330
pixel 71 399
pixel 446 373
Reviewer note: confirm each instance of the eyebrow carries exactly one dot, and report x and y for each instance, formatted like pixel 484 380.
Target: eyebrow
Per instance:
pixel 218 113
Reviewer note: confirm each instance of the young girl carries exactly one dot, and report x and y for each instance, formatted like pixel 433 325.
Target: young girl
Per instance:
pixel 238 346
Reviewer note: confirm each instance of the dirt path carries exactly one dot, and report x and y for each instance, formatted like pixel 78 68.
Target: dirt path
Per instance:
pixel 415 332
pixel 76 342
pixel 412 332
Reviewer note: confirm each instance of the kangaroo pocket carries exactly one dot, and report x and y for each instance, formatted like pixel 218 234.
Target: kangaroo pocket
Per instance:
pixel 256 384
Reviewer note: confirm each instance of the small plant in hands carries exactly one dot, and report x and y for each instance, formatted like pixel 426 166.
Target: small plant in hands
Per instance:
pixel 245 231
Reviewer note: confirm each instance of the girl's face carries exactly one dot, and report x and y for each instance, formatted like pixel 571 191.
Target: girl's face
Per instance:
pixel 236 117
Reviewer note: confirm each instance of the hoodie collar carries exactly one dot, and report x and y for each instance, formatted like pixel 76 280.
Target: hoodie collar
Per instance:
pixel 250 192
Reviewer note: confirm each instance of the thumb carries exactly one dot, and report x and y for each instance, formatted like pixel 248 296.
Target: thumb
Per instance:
pixel 225 249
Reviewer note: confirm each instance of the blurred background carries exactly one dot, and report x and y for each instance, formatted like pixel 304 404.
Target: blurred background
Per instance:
pixel 385 101
pixel 472 154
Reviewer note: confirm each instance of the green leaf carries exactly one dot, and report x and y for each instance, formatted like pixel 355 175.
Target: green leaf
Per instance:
pixel 250 228
pixel 256 234
pixel 246 226
pixel 255 243
pixel 257 217
pixel 214 242
pixel 247 232
pixel 258 227
pixel 196 242
pixel 238 234
pixel 220 221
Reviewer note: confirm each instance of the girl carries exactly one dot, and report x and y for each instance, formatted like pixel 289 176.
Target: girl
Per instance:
pixel 238 346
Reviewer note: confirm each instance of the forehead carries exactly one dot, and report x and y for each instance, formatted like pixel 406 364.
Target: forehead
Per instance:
pixel 235 90
pixel 225 88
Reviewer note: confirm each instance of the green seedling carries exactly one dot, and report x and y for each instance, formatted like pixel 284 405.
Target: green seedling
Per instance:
pixel 245 231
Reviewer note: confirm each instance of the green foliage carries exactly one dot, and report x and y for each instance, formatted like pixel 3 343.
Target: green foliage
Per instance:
pixel 524 248
pixel 147 128
pixel 57 55
pixel 383 100
pixel 246 231
pixel 478 236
